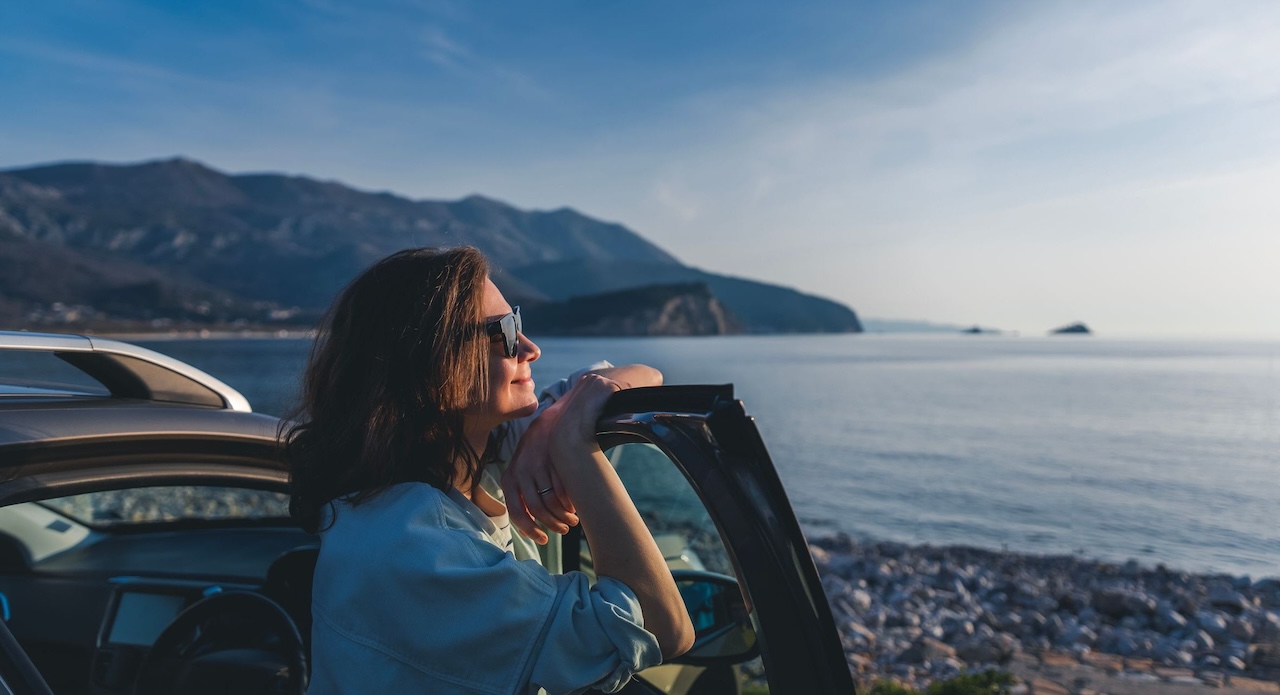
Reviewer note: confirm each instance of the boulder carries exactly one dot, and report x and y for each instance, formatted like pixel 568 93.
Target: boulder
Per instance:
pixel 1269 627
pixel 1078 635
pixel 859 637
pixel 1241 629
pixel 996 650
pixel 1228 600
pixel 1118 603
pixel 1212 623
pixel 1266 655
pixel 1169 620
pixel 926 648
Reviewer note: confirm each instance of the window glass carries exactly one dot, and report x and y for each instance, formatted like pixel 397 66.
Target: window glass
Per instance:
pixel 688 540
pixel 24 372
pixel 171 503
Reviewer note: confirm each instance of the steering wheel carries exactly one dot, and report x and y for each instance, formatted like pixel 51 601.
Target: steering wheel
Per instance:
pixel 230 642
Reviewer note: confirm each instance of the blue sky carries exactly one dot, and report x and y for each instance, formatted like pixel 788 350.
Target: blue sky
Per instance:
pixel 1018 165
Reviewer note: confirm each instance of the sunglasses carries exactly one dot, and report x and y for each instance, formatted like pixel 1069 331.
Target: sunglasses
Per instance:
pixel 509 328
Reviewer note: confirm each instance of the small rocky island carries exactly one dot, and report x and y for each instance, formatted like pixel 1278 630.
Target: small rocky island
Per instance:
pixel 1077 328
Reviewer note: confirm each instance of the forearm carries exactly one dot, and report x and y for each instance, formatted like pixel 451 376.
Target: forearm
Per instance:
pixel 623 549
pixel 632 375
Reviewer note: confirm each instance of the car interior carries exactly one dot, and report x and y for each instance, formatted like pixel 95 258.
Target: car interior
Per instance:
pixel 200 588
pixel 93 584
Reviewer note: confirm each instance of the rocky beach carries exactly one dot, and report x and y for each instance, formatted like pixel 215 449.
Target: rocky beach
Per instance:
pixel 1063 624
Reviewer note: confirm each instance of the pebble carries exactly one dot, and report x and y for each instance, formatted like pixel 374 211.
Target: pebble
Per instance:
pixel 923 613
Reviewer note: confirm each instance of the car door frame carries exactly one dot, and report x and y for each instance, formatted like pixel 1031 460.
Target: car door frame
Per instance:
pixel 709 437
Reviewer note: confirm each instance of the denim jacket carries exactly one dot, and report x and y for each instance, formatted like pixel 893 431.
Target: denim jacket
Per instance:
pixel 417 591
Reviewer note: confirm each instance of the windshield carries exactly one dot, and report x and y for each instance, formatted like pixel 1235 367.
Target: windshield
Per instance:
pixel 171 503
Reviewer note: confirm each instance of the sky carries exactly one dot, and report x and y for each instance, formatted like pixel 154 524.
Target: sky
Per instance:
pixel 1009 164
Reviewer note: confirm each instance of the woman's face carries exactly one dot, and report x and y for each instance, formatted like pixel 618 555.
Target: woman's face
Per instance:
pixel 511 390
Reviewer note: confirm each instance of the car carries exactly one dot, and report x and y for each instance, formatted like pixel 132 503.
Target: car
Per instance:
pixel 145 543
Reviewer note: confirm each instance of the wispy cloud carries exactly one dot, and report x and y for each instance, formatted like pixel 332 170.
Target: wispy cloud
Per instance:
pixel 442 50
pixel 450 54
pixel 1047 86
pixel 106 66
pixel 677 201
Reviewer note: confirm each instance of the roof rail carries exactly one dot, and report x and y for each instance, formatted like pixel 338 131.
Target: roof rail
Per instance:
pixel 129 371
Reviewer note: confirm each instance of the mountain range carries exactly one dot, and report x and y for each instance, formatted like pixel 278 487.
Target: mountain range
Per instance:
pixel 176 240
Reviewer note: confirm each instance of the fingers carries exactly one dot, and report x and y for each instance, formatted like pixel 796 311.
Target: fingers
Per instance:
pixel 563 496
pixel 533 491
pixel 546 507
pixel 518 513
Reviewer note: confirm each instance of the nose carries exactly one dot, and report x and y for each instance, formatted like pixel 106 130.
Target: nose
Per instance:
pixel 528 350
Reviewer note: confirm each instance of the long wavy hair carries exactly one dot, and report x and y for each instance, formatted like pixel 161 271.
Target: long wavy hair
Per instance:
pixel 398 359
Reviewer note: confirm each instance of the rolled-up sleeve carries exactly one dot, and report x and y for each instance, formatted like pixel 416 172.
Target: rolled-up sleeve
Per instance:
pixel 594 636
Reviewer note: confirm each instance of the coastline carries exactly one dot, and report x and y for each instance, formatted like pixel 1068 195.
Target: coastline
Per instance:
pixel 916 614
pixel 205 334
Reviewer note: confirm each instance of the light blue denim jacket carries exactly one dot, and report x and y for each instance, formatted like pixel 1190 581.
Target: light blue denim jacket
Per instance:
pixel 414 593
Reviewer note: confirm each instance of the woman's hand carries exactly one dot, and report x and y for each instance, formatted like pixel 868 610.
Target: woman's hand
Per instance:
pixel 575 427
pixel 532 486
pixel 531 483
pixel 564 445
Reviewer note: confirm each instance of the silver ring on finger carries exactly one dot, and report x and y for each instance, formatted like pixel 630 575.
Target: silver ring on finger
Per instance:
pixel 546 490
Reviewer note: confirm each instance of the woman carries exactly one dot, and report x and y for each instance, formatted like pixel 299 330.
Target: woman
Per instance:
pixel 418 362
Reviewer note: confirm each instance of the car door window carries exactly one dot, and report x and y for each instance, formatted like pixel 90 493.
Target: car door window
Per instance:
pixel 689 541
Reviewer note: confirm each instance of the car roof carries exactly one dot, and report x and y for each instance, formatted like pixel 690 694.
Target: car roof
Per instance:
pixel 122 370
pixel 136 394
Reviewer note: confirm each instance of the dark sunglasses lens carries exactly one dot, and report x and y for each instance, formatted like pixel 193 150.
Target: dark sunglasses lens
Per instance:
pixel 509 327
pixel 511 333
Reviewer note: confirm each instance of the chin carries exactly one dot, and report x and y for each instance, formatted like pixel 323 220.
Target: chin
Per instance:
pixel 525 411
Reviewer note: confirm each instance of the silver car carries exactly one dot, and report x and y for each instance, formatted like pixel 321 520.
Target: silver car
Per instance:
pixel 145 543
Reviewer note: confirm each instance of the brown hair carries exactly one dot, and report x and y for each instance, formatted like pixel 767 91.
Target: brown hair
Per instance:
pixel 398 359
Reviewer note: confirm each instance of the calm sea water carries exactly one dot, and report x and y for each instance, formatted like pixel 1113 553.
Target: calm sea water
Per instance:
pixel 1163 451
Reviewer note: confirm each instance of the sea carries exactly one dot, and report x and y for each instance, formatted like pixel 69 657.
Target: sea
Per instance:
pixel 1161 451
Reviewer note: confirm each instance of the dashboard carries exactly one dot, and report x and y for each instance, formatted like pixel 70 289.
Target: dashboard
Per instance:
pixel 88 616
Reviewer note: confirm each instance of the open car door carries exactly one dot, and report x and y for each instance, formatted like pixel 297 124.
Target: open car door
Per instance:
pixel 702 479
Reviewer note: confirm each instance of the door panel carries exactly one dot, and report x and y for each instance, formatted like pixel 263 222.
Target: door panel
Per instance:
pixel 690 542
pixel 699 472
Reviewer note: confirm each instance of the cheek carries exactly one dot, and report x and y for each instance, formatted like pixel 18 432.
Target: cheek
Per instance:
pixel 500 376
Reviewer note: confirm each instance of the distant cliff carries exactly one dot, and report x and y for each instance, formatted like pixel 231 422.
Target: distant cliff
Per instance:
pixel 679 309
pixel 175 240
pixel 1077 328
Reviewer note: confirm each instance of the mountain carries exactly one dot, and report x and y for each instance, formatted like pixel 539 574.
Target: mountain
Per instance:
pixel 679 309
pixel 254 245
pixel 761 307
